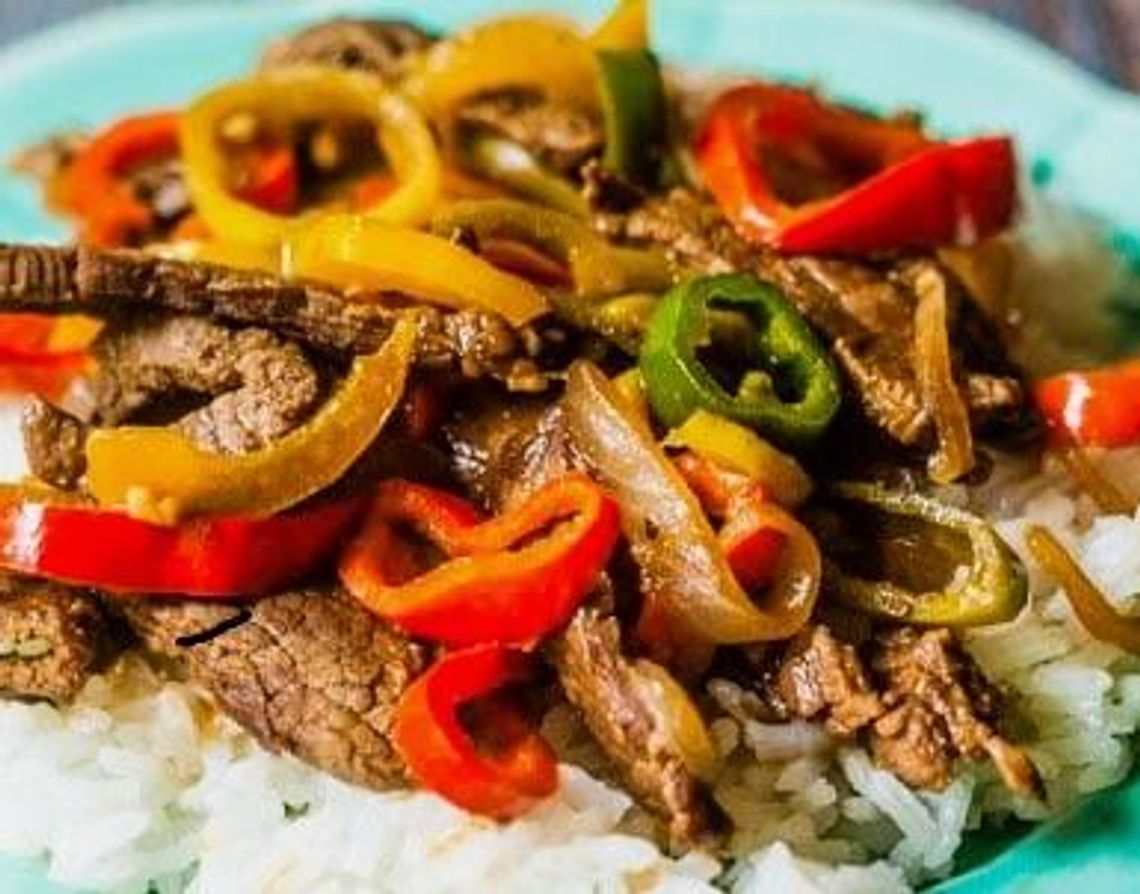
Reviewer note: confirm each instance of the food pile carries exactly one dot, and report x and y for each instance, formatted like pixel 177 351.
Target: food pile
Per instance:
pixel 415 386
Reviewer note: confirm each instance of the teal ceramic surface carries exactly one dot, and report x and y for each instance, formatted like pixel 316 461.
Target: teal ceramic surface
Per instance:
pixel 968 76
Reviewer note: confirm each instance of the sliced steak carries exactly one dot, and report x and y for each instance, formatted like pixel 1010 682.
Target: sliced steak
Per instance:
pixel 53 443
pixel 52 638
pixel 111 283
pixel 381 47
pixel 821 678
pixel 504 450
pixel 560 136
pixel 262 386
pixel 940 707
pixel 602 684
pixel 308 673
pixel 866 310
pixel 919 701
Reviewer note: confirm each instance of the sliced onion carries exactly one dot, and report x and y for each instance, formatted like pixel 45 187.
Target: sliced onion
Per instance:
pixel 688 584
pixel 1093 609
pixel 933 368
pixel 1108 497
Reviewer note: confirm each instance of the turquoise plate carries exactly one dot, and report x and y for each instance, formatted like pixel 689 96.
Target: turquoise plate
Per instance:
pixel 1078 135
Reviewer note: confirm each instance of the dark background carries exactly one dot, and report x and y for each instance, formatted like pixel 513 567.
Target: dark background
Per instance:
pixel 1101 35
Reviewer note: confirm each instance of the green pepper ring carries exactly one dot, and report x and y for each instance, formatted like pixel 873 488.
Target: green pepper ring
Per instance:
pixel 993 591
pixel 677 383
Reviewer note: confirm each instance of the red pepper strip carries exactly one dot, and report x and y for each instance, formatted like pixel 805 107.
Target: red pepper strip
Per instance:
pixel 505 581
pixel 216 558
pixel 27 332
pixel 273 182
pixel 96 190
pixel 46 373
pixel 1095 408
pixel 441 755
pixel 867 184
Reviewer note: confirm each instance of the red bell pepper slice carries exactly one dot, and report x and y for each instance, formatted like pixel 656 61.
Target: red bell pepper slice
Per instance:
pixel 792 171
pixel 442 756
pixel 1094 408
pixel 219 557
pixel 28 360
pixel 509 579
pixel 273 183
pixel 96 189
pixel 45 373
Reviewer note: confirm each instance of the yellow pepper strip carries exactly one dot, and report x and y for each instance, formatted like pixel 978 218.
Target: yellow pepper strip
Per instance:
pixel 159 475
pixel 740 449
pixel 238 255
pixel 625 28
pixel 283 98
pixel 597 267
pixel 531 52
pixel 359 254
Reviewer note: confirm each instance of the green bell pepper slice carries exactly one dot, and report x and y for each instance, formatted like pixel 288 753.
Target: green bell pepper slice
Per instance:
pixel 634 114
pixel 987 586
pixel 790 394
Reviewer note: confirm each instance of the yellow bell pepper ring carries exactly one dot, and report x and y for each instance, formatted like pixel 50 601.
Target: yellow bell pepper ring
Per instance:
pixel 741 450
pixel 159 475
pixel 356 253
pixel 283 98
pixel 530 52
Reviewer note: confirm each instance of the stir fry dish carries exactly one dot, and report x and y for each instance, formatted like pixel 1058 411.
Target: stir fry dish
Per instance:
pixel 416 385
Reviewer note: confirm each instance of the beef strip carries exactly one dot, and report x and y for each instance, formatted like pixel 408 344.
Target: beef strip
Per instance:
pixel 308 673
pixel 560 136
pixel 601 683
pixel 505 451
pixel 381 47
pixel 939 707
pixel 52 638
pixel 920 701
pixel 865 309
pixel 821 678
pixel 53 443
pixel 262 386
pixel 112 283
